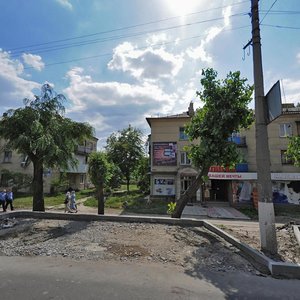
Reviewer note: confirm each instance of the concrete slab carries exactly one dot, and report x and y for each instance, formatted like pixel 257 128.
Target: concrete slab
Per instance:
pixel 197 211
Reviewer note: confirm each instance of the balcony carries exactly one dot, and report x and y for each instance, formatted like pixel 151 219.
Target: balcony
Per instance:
pixel 238 140
pixel 84 150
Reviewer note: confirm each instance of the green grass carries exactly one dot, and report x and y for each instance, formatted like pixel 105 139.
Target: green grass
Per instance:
pixel 251 212
pixel 132 202
pixel 25 201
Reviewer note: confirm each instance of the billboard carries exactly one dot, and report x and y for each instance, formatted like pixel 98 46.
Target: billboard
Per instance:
pixel 273 99
pixel 164 186
pixel 165 154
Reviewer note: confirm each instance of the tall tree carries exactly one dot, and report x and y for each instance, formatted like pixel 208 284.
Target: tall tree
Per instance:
pixel 124 149
pixel 225 111
pixel 41 131
pixel 142 174
pixel 293 150
pixel 99 172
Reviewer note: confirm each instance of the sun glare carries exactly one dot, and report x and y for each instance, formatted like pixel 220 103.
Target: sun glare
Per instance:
pixel 182 7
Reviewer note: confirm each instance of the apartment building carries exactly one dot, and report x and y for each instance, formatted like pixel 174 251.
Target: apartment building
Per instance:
pixel 77 177
pixel 172 171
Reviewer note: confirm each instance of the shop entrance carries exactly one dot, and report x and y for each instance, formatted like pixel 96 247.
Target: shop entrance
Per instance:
pixel 219 191
pixel 185 182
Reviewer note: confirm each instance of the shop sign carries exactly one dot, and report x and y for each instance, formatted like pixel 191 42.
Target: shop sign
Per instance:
pixel 231 176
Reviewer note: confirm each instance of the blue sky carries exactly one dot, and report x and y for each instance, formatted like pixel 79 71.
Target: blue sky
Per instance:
pixel 120 61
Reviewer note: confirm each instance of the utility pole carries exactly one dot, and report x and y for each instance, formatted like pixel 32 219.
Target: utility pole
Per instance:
pixel 264 184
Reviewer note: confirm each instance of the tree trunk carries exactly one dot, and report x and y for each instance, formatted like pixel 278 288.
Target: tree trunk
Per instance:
pixel 100 197
pixel 127 183
pixel 192 189
pixel 37 186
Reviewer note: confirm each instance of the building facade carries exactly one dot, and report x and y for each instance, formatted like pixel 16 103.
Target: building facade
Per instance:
pixel 172 172
pixel 76 178
pixel 171 169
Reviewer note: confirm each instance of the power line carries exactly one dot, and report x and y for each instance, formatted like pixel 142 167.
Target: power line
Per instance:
pixel 88 42
pixel 120 29
pixel 281 26
pixel 138 48
pixel 268 11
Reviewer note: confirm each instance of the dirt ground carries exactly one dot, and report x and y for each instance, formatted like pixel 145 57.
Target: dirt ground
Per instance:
pixel 191 248
pixel 248 232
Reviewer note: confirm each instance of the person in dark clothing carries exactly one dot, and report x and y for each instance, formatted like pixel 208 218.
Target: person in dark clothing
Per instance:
pixel 9 200
pixel 3 199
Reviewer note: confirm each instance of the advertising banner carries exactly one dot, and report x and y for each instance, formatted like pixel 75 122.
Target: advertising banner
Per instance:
pixel 164 186
pixel 165 154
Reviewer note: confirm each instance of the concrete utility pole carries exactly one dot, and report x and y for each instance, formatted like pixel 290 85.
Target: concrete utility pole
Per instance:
pixel 265 194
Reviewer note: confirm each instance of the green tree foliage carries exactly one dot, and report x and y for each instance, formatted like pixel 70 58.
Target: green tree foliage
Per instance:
pixel 124 149
pixel 41 131
pixel 16 180
pixel 293 150
pixel 225 111
pixel 115 180
pixel 143 175
pixel 100 173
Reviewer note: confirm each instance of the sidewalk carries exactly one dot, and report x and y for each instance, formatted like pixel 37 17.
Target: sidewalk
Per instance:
pixel 197 211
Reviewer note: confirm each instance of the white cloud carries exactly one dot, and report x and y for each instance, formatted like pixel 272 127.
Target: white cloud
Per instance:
pixel 291 88
pixel 13 88
pixel 149 64
pixel 200 52
pixel 156 38
pixel 65 3
pixel 110 106
pixel 34 61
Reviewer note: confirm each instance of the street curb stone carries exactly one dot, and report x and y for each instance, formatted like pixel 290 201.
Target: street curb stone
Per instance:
pixel 267 265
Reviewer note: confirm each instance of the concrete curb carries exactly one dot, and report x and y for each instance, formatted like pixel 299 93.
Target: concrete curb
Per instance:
pixel 297 233
pixel 265 264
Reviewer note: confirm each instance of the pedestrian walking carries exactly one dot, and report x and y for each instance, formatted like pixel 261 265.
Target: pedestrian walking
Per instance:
pixel 3 199
pixel 73 205
pixel 67 202
pixel 9 199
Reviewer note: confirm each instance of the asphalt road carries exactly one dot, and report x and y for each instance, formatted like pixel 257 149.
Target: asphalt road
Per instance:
pixel 30 278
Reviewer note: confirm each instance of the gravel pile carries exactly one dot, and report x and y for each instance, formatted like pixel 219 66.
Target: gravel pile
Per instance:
pixel 193 248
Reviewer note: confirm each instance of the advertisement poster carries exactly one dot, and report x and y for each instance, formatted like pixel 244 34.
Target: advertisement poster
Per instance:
pixel 242 191
pixel 284 192
pixel 164 186
pixel 164 154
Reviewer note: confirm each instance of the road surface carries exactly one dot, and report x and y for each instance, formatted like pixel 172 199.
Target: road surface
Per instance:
pixel 30 278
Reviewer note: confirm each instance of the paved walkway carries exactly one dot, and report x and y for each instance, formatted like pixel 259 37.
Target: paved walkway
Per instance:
pixel 197 211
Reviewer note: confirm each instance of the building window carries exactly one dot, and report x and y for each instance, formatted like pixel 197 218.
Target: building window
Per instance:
pixel 4 180
pixel 81 180
pixel 184 160
pixel 7 156
pixel 298 128
pixel 285 130
pixel 185 181
pixel 284 159
pixel 182 135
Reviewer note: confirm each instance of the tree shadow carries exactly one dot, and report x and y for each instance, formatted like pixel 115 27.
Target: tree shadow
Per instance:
pixel 225 267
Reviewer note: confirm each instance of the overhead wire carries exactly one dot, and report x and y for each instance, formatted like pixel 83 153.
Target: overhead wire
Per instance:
pixel 89 42
pixel 121 28
pixel 137 48
pixel 268 11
